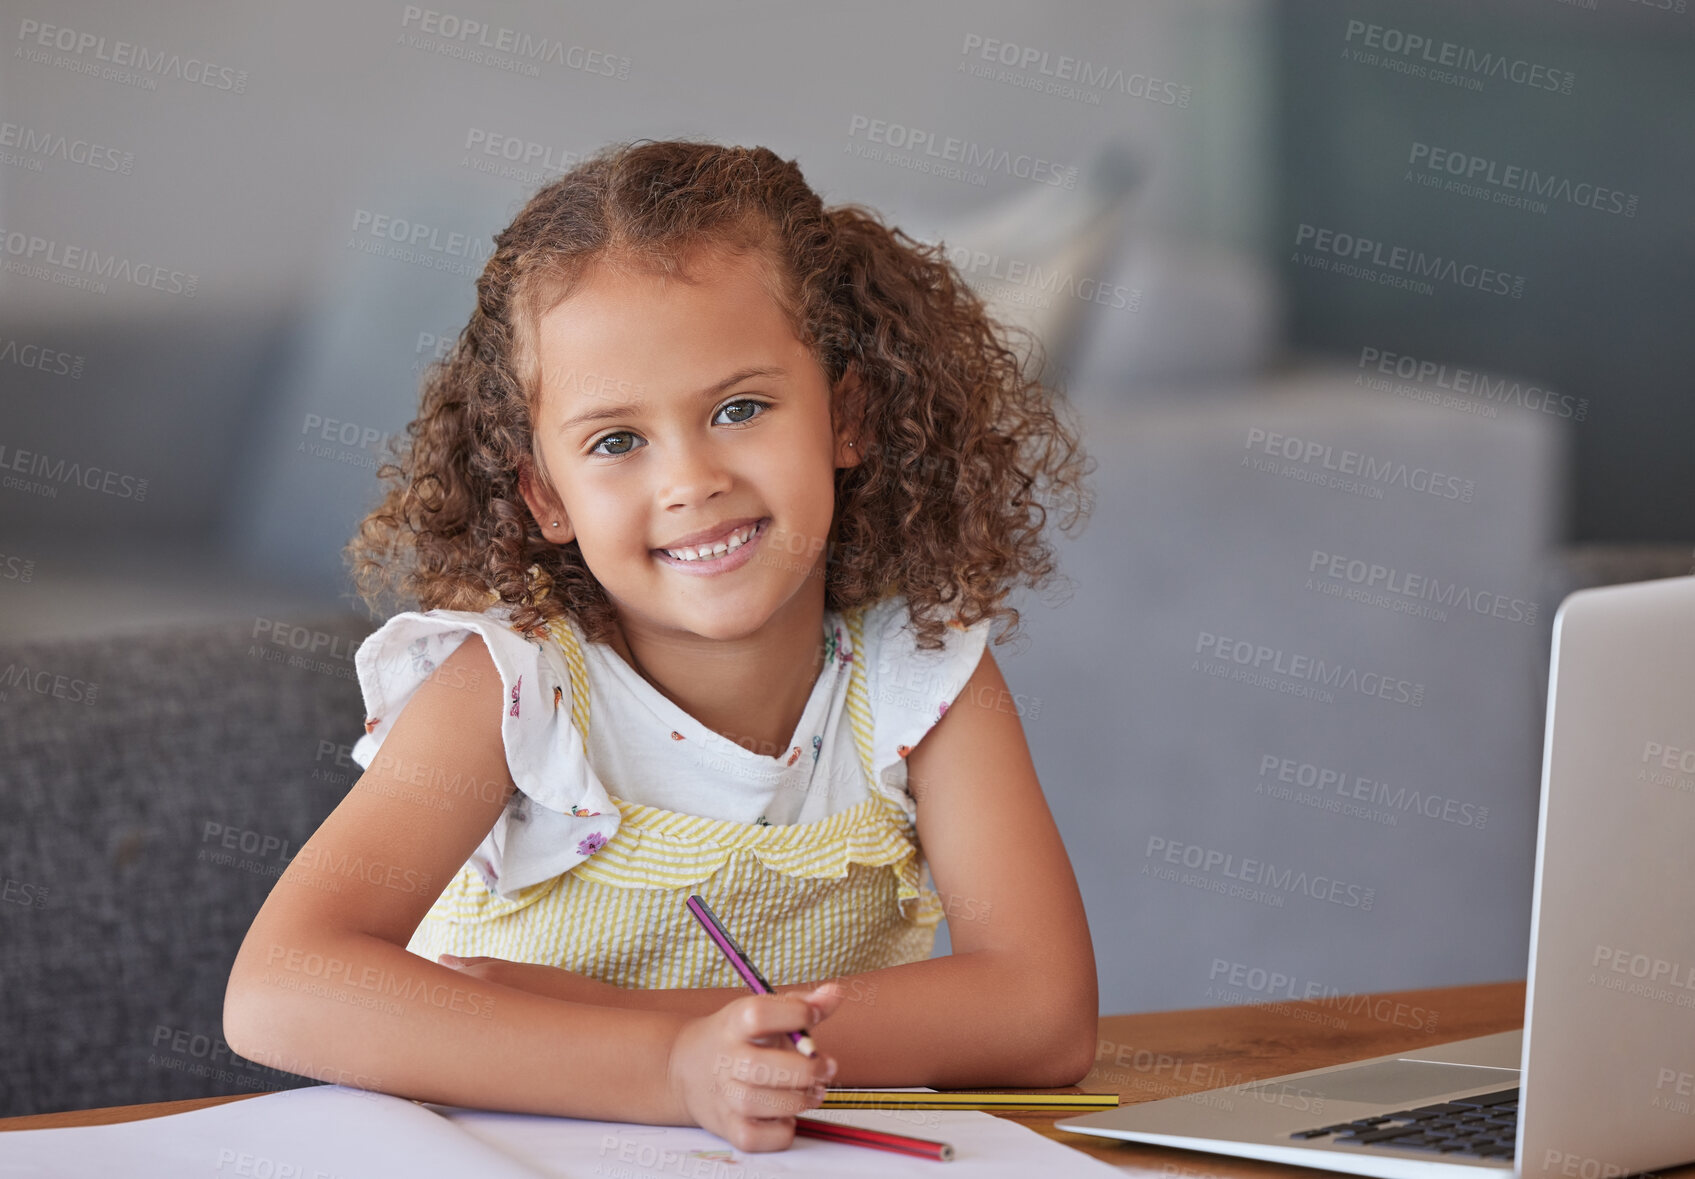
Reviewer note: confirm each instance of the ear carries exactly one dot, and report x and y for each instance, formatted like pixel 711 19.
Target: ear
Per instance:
pixel 545 507
pixel 851 437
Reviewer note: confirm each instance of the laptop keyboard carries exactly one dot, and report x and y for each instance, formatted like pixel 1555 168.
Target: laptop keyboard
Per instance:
pixel 1485 1126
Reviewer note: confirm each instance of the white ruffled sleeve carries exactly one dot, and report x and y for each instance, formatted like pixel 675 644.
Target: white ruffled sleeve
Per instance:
pixel 910 688
pixel 562 813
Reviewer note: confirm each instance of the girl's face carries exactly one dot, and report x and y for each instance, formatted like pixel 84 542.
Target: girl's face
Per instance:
pixel 676 414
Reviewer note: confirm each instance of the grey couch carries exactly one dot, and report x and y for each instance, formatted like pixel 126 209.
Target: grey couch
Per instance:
pixel 152 787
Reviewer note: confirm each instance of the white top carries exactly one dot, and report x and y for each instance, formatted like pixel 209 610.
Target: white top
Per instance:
pixel 645 749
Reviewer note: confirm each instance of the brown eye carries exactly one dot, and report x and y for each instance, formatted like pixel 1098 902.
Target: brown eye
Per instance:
pixel 729 406
pixel 596 448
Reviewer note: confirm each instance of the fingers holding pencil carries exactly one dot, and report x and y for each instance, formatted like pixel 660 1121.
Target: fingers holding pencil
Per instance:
pixel 738 1075
pixel 798 1012
pixel 762 1020
pixel 770 1021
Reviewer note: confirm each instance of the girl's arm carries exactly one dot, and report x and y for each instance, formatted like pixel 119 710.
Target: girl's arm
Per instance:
pixel 324 986
pixel 1016 1002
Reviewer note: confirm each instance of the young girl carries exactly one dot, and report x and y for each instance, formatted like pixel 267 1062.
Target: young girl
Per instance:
pixel 708 512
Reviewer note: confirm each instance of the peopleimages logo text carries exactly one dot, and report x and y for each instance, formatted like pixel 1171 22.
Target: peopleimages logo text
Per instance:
pixel 1075 69
pixel 1515 178
pixel 1313 669
pixel 86 262
pixel 1309 451
pixel 157 62
pixel 1504 390
pixel 967 153
pixel 468 33
pixel 1370 251
pixel 1447 54
pixel 39 141
pixel 1370 576
pixel 94 478
pixel 1323 780
pixel 1258 873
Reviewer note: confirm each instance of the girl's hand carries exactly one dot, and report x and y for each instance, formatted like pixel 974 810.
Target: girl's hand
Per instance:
pixel 736 1072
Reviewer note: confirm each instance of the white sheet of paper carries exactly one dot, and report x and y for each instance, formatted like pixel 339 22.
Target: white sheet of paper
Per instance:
pixel 336 1132
pixel 984 1146
pixel 318 1132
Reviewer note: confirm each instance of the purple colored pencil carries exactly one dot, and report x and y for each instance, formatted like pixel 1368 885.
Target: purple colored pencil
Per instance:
pixel 749 972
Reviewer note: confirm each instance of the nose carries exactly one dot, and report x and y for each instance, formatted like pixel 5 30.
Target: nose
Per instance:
pixel 693 472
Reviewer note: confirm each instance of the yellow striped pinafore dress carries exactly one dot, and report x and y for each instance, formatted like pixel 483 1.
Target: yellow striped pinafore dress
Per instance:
pixel 807 901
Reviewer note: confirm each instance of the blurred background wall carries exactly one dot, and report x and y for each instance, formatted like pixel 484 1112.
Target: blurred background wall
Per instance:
pixel 1256 237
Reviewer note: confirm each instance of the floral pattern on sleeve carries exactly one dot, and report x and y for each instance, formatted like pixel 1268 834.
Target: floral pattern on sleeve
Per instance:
pixel 834 648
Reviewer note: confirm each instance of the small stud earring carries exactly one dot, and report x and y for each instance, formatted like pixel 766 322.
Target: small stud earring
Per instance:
pixel 556 523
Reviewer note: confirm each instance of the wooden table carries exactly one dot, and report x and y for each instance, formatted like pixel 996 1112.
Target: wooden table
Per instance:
pixel 1168 1053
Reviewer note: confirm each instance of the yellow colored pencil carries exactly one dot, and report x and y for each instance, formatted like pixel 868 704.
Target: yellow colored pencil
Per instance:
pixel 901 1099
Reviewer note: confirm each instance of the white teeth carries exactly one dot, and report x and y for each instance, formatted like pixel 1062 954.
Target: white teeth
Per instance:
pixel 704 553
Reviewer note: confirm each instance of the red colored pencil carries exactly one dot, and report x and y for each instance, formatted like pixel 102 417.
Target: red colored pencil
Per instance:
pixel 879 1139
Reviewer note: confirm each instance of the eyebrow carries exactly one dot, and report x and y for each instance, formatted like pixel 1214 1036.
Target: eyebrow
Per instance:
pixel 610 412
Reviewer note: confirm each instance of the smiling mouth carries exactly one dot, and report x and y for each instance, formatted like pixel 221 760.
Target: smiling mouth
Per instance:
pixel 692 553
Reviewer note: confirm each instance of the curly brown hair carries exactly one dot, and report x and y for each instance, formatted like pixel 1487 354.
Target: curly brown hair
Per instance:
pixel 962 452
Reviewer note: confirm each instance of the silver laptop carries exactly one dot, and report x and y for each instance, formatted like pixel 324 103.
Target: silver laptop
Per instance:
pixel 1601 1080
